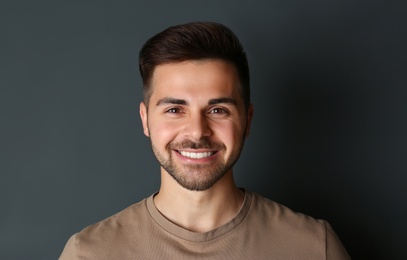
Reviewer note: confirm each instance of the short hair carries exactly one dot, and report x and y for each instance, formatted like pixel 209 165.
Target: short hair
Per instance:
pixel 194 41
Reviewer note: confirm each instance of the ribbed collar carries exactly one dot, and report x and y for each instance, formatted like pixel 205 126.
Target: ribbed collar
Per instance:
pixel 185 234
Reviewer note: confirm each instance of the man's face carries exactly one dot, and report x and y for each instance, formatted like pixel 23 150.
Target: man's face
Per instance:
pixel 196 121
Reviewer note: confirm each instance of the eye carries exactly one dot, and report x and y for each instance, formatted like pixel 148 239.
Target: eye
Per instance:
pixel 173 110
pixel 218 110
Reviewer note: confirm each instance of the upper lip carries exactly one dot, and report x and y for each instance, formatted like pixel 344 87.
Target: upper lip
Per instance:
pixel 196 150
pixel 196 153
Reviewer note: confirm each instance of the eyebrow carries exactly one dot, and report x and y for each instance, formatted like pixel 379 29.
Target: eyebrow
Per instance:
pixel 169 100
pixel 226 100
pixel 176 101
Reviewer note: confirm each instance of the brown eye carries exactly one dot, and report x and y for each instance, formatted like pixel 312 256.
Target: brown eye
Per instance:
pixel 218 111
pixel 173 110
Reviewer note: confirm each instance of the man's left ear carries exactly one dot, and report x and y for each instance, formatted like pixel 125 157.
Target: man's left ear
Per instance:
pixel 250 111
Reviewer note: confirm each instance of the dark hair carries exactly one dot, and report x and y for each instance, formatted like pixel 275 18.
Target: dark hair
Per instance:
pixel 194 41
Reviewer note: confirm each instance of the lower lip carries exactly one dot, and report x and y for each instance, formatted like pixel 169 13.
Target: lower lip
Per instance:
pixel 196 160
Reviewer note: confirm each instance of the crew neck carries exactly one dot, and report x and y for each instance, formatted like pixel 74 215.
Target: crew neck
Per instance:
pixel 185 234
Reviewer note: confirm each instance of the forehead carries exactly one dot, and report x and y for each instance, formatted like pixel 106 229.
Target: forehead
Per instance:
pixel 196 77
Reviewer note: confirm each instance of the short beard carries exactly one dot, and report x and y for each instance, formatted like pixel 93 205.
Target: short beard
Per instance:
pixel 188 175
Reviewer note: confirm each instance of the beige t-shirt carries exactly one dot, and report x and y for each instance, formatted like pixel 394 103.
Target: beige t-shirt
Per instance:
pixel 262 229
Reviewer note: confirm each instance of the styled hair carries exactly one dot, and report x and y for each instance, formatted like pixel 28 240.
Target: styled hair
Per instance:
pixel 194 41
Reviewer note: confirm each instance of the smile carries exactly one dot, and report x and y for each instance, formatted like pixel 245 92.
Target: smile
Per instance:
pixel 196 155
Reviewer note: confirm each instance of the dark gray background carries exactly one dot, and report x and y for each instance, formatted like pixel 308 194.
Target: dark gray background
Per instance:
pixel 328 137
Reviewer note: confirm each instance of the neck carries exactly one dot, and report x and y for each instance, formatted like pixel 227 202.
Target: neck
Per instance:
pixel 199 211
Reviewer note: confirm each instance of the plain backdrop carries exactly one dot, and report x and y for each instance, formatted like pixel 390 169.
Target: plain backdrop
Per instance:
pixel 329 136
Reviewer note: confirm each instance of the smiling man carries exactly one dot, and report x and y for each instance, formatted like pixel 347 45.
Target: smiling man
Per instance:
pixel 197 113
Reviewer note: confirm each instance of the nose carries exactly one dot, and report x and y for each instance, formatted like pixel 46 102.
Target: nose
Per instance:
pixel 197 127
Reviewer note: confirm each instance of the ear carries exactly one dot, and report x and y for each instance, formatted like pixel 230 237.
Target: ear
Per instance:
pixel 250 112
pixel 144 118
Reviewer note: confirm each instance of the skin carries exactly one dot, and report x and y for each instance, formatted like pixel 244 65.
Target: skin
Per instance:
pixel 196 110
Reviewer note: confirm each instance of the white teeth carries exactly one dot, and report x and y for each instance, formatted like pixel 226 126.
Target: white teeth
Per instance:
pixel 196 155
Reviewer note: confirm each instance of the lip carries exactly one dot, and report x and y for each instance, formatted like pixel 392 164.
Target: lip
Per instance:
pixel 199 155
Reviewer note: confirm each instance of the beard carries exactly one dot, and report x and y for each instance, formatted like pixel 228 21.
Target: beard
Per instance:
pixel 193 176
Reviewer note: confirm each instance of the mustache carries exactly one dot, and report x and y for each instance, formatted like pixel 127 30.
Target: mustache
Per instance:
pixel 202 144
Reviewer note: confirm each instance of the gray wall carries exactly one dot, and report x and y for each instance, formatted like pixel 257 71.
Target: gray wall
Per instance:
pixel 328 138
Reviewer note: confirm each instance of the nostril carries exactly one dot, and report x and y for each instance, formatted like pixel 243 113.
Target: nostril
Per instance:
pixel 197 128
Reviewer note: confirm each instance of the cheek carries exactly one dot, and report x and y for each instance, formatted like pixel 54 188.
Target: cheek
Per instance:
pixel 161 132
pixel 229 133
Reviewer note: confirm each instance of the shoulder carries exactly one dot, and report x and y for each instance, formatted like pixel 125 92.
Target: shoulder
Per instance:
pixel 117 223
pixel 104 237
pixel 295 232
pixel 281 223
pixel 279 214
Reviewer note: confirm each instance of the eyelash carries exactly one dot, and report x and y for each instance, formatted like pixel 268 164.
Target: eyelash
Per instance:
pixel 220 111
pixel 171 110
pixel 216 111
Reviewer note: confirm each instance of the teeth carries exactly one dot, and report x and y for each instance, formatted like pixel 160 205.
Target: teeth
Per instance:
pixel 196 155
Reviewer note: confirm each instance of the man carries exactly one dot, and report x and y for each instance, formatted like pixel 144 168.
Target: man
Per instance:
pixel 197 114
